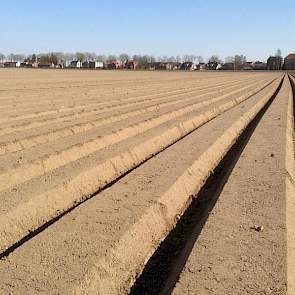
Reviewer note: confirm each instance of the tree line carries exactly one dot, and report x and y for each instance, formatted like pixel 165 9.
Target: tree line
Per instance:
pixel 143 61
pixel 61 57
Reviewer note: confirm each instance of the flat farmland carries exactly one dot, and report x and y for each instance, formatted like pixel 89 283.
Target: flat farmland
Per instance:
pixel 123 182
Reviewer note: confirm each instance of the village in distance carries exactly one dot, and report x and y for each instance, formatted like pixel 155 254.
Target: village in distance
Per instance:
pixel 80 60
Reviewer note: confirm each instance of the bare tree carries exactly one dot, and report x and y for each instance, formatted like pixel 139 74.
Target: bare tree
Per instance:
pixel 230 59
pixel 112 57
pixel 90 55
pixel 11 57
pixel 80 56
pixel 19 57
pixel 33 57
pixel 214 58
pixel 69 56
pixel 200 59
pixel 189 58
pixel 178 58
pixel 163 58
pixel 279 53
pixel 53 58
pixel 239 61
pixel 59 56
pixel 2 56
pixel 144 61
pixel 101 58
pixel 124 57
pixel 150 58
pixel 172 59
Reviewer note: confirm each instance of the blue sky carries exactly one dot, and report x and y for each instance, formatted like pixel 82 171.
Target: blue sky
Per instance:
pixel 255 28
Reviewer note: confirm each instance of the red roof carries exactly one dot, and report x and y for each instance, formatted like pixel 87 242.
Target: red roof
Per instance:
pixel 291 56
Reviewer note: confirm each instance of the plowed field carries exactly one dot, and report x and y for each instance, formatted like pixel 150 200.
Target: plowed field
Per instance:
pixel 146 182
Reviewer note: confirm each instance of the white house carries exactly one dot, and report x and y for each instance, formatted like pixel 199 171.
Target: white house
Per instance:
pixel 76 64
pixel 98 64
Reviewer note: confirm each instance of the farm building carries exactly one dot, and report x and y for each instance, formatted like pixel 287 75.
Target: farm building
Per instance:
pixel 228 66
pixel 201 66
pixel 173 65
pixel 212 65
pixel 259 66
pixel 274 63
pixel 187 66
pixel 247 67
pixel 95 64
pixel 131 65
pixel 45 65
pixel 75 64
pixel 113 65
pixel 11 64
pixel 92 65
pixel 26 64
pixel 157 65
pixel 85 64
pixel 289 62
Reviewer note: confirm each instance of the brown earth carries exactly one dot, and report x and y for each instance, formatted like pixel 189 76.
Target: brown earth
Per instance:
pixel 66 135
pixel 232 255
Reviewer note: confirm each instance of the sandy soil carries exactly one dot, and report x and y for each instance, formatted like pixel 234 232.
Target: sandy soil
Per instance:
pixel 66 134
pixel 230 256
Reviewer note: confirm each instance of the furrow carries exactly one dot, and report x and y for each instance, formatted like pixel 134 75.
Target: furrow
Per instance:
pixel 40 209
pixel 13 103
pixel 25 172
pixel 34 140
pixel 290 192
pixel 116 271
pixel 11 124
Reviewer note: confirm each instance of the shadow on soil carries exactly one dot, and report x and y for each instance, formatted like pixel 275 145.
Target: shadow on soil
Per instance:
pixel 292 81
pixel 163 269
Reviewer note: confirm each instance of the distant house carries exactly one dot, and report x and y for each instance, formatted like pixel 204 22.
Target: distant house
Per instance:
pixel 228 66
pixel 172 66
pixel 89 64
pixel 160 66
pixel 259 66
pixel 289 62
pixel 85 64
pixel 212 65
pixel 11 64
pixel 59 66
pixel 95 64
pixel 201 66
pixel 113 65
pixel 157 65
pixel 219 67
pixel 75 64
pixel 187 66
pixel 274 63
pixel 176 66
pixel 131 65
pixel 26 64
pixel 45 65
pixel 196 67
pixel 247 67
